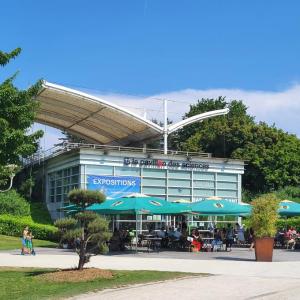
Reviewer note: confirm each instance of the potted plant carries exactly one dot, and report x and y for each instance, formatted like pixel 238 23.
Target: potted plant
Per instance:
pixel 263 222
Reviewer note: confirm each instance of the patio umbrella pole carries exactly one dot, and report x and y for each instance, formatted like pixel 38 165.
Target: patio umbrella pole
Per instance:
pixel 136 232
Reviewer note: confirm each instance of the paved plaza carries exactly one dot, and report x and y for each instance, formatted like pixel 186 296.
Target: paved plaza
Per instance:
pixel 234 275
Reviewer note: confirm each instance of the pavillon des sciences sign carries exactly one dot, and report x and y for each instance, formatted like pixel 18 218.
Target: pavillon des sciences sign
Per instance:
pixel 159 163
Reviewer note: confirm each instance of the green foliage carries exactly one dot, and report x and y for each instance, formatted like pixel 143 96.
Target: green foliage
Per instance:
pixel 24 283
pixel 12 225
pixel 87 231
pixel 26 187
pixel 71 138
pixel 12 242
pixel 84 198
pixel 273 156
pixel 40 213
pixel 289 222
pixel 5 57
pixel 264 215
pixel 12 203
pixel 290 193
pixel 63 225
pixel 18 109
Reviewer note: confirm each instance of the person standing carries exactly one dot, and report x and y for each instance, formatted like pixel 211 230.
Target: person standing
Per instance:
pixel 229 237
pixel 251 238
pixel 240 234
pixel 24 239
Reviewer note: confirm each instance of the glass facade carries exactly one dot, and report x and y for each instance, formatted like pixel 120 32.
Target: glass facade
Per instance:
pixel 175 184
pixel 172 182
pixel 61 182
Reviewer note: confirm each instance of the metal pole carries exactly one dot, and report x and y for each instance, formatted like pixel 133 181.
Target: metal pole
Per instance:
pixel 136 232
pixel 165 126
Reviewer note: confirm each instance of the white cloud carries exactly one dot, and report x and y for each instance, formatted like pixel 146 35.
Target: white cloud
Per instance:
pixel 281 108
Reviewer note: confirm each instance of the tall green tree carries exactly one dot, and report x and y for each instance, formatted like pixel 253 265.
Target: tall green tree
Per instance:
pixel 17 113
pixel 273 156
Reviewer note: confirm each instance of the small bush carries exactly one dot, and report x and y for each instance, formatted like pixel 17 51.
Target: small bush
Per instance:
pixel 13 226
pixel 13 204
pixel 264 215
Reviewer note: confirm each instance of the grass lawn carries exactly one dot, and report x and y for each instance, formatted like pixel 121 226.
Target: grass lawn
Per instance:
pixel 11 242
pixel 24 283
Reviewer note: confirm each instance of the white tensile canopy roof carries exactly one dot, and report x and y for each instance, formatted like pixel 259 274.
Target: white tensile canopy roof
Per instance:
pixel 92 118
pixel 102 122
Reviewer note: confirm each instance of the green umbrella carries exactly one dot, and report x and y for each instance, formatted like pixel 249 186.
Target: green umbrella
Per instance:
pixel 136 205
pixel 220 207
pixel 289 208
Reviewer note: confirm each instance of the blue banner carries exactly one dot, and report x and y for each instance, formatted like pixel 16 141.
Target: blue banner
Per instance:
pixel 114 186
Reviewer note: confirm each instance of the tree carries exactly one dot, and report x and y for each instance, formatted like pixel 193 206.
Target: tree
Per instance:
pixel 88 230
pixel 273 156
pixel 18 109
pixel 71 138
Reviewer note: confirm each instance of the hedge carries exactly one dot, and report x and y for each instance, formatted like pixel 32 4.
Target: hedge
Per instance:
pixel 290 222
pixel 12 203
pixel 13 226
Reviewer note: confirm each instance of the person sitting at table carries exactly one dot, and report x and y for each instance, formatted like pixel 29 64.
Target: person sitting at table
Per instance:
pixel 161 233
pixel 291 242
pixel 164 238
pixel 279 238
pixel 177 234
pixel 217 241
pixel 115 241
pixel 196 240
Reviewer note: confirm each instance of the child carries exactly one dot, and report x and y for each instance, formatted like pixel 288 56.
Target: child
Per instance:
pixel 23 238
pixel 29 246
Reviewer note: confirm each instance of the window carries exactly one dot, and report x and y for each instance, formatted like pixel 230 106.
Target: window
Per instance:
pixel 61 182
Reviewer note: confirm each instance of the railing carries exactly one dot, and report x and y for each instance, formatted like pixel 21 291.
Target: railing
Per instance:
pixel 65 147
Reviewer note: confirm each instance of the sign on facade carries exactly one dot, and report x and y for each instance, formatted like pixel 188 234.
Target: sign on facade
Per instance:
pixel 114 186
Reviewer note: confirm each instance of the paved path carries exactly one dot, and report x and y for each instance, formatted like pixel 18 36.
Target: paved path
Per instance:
pixel 219 266
pixel 238 277
pixel 212 287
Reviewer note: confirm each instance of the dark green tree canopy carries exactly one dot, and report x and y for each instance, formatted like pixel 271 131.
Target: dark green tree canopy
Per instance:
pixel 17 114
pixel 272 155
pixel 84 198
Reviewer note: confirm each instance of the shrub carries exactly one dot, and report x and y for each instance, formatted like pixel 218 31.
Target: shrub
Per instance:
pixel 290 222
pixel 264 215
pixel 289 192
pixel 13 226
pixel 83 198
pixel 13 204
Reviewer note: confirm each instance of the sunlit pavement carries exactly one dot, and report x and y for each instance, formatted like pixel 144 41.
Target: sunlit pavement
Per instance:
pixel 239 276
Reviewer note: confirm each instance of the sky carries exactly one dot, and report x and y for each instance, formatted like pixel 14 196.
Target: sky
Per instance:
pixel 133 52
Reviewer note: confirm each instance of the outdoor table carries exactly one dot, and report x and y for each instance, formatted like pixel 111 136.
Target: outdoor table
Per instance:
pixel 206 243
pixel 152 243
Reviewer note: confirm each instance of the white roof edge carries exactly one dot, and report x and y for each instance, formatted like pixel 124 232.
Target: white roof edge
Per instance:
pixel 197 118
pixel 62 88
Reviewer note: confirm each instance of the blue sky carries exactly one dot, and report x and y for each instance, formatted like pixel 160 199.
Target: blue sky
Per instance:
pixel 153 47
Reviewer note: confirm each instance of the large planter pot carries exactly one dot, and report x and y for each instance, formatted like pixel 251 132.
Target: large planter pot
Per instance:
pixel 264 249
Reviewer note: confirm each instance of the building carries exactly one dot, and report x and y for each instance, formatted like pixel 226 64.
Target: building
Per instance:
pixel 119 171
pixel 117 168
